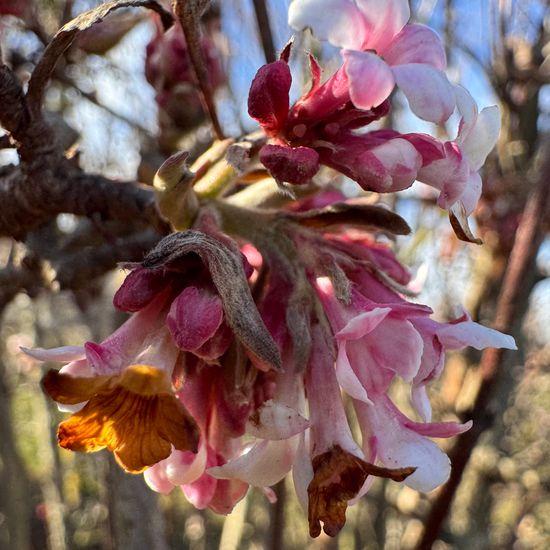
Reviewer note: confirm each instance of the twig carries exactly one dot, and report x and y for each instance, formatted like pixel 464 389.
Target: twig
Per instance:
pixel 262 17
pixel 92 98
pixel 86 265
pixel 514 287
pixel 188 13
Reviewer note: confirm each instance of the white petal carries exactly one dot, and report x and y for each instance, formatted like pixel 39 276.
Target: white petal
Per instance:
pixel 400 447
pixel 330 20
pixel 275 421
pixel 421 402
pixel 61 355
pixel 482 137
pixel 469 333
pixel 467 107
pixel 347 378
pixel 265 464
pixel 302 471
pixel 471 193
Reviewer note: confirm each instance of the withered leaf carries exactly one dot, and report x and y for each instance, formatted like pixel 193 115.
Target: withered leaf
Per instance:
pixel 67 34
pixel 226 269
pixel 362 215
pixel 459 222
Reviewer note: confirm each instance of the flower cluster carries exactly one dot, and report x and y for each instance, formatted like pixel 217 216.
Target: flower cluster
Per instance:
pixel 250 331
pixel 322 126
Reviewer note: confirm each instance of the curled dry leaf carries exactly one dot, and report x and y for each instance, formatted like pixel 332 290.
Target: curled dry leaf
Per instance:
pixel 459 223
pixel 362 215
pixel 68 33
pixel 226 269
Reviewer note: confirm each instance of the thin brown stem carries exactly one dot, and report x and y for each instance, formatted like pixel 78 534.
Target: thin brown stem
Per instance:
pixel 511 300
pixel 262 17
pixel 188 12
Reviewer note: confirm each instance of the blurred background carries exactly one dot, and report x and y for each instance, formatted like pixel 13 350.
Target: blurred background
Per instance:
pixel 121 101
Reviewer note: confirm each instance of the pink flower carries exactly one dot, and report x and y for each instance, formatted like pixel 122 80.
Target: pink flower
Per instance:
pixel 320 129
pixel 380 50
pixel 452 167
pixel 397 442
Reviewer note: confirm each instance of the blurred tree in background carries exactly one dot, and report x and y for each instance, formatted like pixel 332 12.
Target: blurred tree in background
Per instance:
pixel 121 99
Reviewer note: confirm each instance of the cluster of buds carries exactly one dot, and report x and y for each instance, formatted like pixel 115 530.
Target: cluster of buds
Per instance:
pixel 169 71
pixel 251 330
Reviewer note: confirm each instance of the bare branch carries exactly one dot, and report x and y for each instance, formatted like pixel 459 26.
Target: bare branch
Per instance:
pixel 65 37
pixel 31 199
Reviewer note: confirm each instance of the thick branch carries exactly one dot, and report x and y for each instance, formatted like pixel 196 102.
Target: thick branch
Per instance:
pixel 30 199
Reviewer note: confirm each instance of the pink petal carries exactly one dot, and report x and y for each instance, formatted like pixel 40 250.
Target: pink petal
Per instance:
pixel 268 97
pixel 421 402
pixel 275 421
pixel 201 491
pixel 215 346
pixel 385 20
pixel 139 288
pixel 363 323
pixel 265 464
pixel 227 493
pixel 430 149
pixel 302 471
pixel 330 20
pixel 291 164
pixel 194 317
pixel 156 479
pixel 416 44
pixel 438 429
pixel 77 368
pixel 468 333
pixel 105 359
pixel 400 447
pixel 347 378
pixel 449 175
pixel 400 162
pixel 183 467
pixel 396 346
pixel 370 79
pixel 430 95
pixel 61 354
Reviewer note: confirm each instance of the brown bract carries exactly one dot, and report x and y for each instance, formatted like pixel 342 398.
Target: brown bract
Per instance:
pixel 338 477
pixel 134 414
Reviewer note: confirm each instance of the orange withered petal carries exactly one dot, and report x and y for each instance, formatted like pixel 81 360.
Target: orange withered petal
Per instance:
pixel 338 477
pixel 70 390
pixel 134 414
